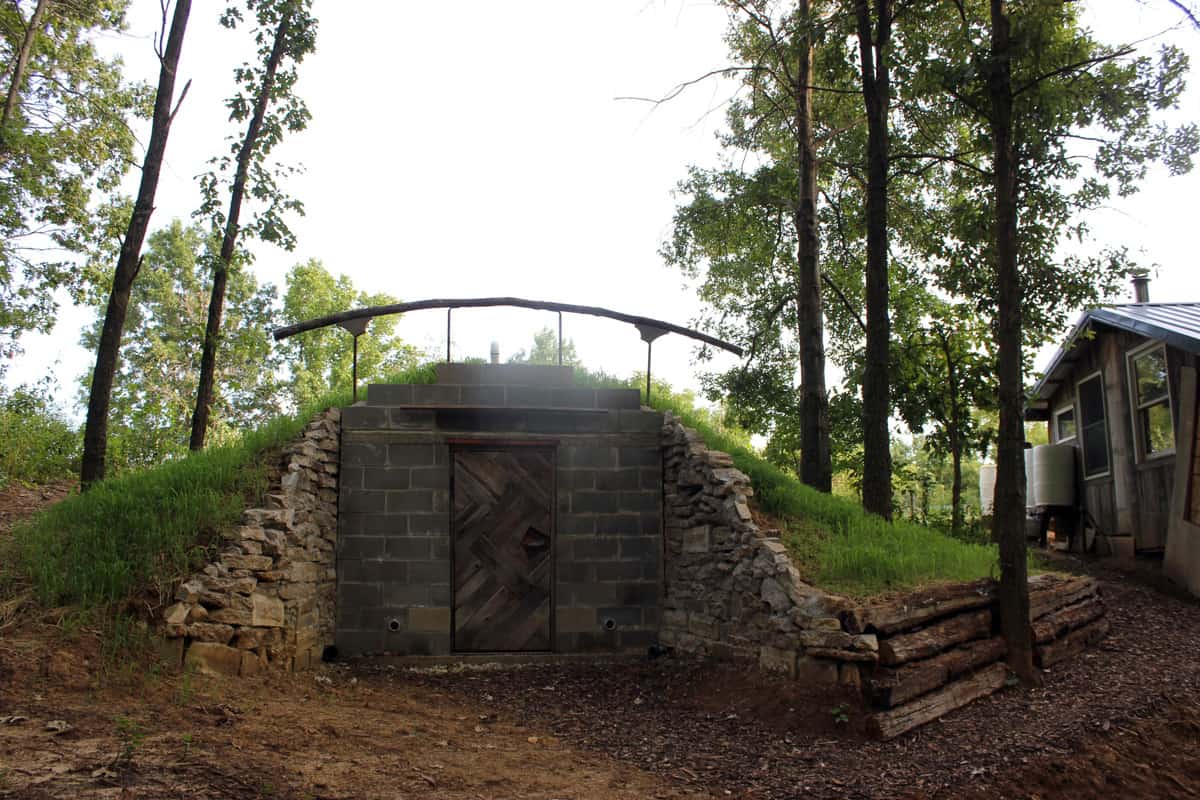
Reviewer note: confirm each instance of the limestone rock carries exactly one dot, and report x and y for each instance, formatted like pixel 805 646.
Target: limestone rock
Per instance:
pixel 213 659
pixel 177 614
pixel 266 612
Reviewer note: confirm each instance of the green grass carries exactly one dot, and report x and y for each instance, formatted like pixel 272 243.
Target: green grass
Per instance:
pixel 146 529
pixel 840 546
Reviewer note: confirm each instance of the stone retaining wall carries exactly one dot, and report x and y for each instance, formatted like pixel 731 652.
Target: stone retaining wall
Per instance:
pixel 267 600
pixel 730 589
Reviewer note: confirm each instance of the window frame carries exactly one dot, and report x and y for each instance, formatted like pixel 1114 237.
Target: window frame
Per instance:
pixel 1079 427
pixel 1075 418
pixel 1135 409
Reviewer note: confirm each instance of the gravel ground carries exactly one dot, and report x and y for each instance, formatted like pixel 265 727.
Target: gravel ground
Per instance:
pixel 740 734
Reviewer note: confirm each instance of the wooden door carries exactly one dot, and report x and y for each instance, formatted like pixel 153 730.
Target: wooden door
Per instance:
pixel 503 535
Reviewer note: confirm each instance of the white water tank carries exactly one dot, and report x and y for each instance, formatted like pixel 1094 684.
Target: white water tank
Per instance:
pixel 987 488
pixel 1054 475
pixel 1030 502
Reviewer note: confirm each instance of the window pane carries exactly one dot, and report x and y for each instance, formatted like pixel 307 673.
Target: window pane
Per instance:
pixel 1150 375
pixel 1091 402
pixel 1095 451
pixel 1158 430
pixel 1066 424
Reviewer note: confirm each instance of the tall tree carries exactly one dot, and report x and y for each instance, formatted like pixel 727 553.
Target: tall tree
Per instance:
pixel 874 29
pixel 1009 517
pixel 270 83
pixel 763 277
pixel 321 360
pixel 95 433
pixel 64 138
pixel 156 374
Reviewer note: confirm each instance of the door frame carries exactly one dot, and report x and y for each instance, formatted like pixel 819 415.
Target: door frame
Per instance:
pixel 458 445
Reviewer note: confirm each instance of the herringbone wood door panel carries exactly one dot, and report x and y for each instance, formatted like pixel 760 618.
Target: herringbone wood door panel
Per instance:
pixel 503 549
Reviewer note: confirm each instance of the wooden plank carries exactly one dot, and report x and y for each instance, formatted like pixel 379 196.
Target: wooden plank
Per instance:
pixel 890 724
pixel 936 638
pixel 922 607
pixel 1057 623
pixel 891 687
pixel 1072 644
pixel 1058 595
pixel 503 549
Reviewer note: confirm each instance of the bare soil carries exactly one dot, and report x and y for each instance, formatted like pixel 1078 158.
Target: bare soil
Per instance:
pixel 1121 721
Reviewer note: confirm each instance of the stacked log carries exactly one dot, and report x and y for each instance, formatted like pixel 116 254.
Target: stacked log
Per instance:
pixel 940 650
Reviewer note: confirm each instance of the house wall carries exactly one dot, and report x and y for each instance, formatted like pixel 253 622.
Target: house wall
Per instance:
pixel 1131 503
pixel 1182 559
pixel 394 558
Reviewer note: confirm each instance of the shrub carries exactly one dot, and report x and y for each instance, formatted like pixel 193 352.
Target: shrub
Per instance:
pixel 39 445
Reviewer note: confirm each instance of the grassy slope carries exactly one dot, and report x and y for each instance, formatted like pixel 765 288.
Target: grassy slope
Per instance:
pixel 146 529
pixel 840 546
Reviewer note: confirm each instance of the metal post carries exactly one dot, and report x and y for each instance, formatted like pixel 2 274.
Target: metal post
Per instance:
pixel 448 310
pixel 354 369
pixel 649 348
pixel 649 334
pixel 356 328
pixel 560 338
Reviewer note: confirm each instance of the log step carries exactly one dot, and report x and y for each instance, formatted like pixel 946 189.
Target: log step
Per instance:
pixel 891 687
pixel 1055 624
pixel 936 638
pixel 1072 644
pixel 890 724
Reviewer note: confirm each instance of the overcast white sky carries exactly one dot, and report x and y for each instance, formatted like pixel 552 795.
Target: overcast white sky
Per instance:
pixel 476 149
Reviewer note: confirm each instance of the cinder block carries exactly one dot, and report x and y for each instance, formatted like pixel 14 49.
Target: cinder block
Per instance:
pixel 636 639
pixel 584 502
pixel 435 394
pixel 358 642
pixel 574 397
pixel 408 548
pixel 359 595
pixel 429 620
pixel 405 595
pixel 386 478
pixel 364 454
pixel 389 394
pixel 428 572
pixel 361 501
pixel 618 570
pixel 410 455
pixel 527 396
pixel 639 456
pixel 364 418
pixel 382 524
pixel 576 524
pixel 643 595
pixel 618 525
pixel 589 548
pixel 594 457
pixel 575 620
pixel 407 419
pixel 576 479
pixel 409 500
pixel 617 479
pixel 481 395
pixel 640 501
pixel 436 523
pixel 429 478
pixel 640 547
pixel 360 547
pixel 641 421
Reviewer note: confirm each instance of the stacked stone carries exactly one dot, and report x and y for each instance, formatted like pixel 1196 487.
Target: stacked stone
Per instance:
pixel 731 590
pixel 268 597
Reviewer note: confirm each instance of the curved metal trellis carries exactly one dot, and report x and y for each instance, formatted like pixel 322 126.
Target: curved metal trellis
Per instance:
pixel 355 323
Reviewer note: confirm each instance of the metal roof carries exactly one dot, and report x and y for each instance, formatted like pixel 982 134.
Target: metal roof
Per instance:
pixel 1177 324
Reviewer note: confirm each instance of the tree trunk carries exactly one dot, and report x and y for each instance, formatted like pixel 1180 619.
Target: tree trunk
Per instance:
pixel 95 432
pixel 877 457
pixel 18 73
pixel 816 461
pixel 1009 520
pixel 216 304
pixel 954 430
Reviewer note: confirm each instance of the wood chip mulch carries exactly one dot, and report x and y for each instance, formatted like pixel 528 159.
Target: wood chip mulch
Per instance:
pixel 1122 720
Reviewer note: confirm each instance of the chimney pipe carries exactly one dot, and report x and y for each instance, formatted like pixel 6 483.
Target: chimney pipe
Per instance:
pixel 1141 287
pixel 495 352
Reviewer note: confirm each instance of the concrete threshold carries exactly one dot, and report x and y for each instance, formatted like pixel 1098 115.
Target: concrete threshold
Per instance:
pixel 493 660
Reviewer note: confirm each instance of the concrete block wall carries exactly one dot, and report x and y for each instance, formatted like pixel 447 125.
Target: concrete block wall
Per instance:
pixel 394 546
